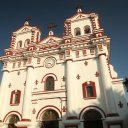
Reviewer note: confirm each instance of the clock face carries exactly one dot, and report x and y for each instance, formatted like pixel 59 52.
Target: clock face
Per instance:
pixel 49 62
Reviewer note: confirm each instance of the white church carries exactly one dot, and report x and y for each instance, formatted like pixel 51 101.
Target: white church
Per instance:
pixel 61 82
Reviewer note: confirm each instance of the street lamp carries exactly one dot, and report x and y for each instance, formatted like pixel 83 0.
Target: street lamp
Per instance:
pixel 125 83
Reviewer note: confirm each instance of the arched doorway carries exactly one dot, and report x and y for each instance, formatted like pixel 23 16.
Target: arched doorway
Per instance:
pixel 50 119
pixel 12 121
pixel 92 119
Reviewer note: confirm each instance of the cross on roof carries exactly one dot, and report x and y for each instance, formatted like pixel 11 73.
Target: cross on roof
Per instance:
pixel 51 26
pixel 28 18
pixel 79 6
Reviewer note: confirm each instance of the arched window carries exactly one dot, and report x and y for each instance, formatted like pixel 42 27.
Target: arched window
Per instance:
pixel 19 44
pixel 77 31
pixel 27 41
pixel 89 90
pixel 15 97
pixel 49 84
pixel 87 29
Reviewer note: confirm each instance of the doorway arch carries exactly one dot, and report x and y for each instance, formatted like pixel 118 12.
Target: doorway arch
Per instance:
pixel 50 119
pixel 92 119
pixel 13 119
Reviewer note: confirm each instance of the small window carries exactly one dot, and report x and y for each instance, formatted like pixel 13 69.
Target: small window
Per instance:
pixel 87 29
pixel 49 85
pixel 89 90
pixel 77 32
pixel 19 44
pixel 15 97
pixel 27 42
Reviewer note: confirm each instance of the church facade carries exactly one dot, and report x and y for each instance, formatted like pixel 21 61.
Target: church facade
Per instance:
pixel 61 82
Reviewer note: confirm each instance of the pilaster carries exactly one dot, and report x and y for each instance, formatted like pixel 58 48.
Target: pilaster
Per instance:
pixel 107 85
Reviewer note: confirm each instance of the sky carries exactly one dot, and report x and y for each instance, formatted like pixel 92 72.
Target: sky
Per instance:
pixel 113 16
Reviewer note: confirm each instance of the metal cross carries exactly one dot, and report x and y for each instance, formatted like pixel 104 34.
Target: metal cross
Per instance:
pixel 51 26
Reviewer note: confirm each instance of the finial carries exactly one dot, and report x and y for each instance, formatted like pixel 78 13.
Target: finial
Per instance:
pixel 26 23
pixel 51 26
pixel 79 7
pixel 50 33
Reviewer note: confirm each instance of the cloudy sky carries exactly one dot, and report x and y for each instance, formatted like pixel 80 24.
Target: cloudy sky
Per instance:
pixel 113 17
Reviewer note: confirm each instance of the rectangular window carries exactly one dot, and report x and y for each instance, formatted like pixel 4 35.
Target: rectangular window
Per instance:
pixel 89 90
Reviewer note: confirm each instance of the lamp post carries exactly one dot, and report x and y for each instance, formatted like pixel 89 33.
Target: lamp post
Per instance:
pixel 125 83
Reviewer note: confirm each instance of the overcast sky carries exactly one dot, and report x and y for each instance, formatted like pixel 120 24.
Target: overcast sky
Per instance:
pixel 113 17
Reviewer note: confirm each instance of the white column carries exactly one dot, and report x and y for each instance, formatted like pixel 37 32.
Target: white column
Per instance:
pixel 3 92
pixel 107 85
pixel 70 90
pixel 26 110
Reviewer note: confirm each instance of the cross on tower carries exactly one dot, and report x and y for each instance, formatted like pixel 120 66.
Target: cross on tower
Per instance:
pixel 51 26
pixel 28 18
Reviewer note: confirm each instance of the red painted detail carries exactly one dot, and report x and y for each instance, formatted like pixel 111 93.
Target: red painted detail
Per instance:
pixel 120 104
pixel 92 51
pixel 84 52
pixel 64 109
pixel 77 54
pixel 67 53
pixel 11 113
pixel 63 78
pixel 34 111
pixel 24 83
pixel 48 107
pixel 78 77
pixel 9 53
pixel 36 82
pixel 94 107
pixel 100 47
pixel 31 48
pixel 15 97
pixel 86 62
pixel 97 74
pixel 27 120
pixel 85 86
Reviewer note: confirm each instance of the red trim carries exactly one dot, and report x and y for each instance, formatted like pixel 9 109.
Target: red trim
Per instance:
pixel 55 108
pixel 26 120
pixel 12 113
pixel 13 94
pixel 84 88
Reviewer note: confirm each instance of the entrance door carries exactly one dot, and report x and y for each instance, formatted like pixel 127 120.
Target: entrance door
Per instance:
pixel 92 119
pixel 12 121
pixel 50 119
